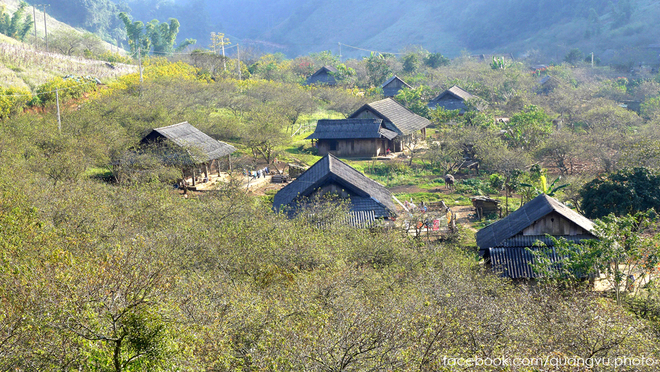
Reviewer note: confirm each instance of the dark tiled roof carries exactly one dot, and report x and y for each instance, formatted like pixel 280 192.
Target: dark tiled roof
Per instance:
pixel 349 129
pixel 385 84
pixel 455 92
pixel 513 259
pixel 403 120
pixel 369 195
pixel 494 234
pixel 200 146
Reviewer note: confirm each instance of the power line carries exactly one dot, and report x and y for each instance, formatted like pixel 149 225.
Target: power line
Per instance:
pixel 367 50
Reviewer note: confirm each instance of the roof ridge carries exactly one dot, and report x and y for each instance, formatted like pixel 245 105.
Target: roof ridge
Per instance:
pixel 172 125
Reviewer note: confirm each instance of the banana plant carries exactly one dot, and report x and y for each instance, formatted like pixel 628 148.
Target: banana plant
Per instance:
pixel 544 188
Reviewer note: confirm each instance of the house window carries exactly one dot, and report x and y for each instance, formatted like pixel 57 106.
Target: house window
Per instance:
pixel 333 145
pixel 352 145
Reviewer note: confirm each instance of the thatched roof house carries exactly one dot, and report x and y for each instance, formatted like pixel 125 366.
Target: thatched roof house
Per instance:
pixel 352 137
pixel 331 175
pixel 324 75
pixel 504 244
pixel 451 99
pixel 393 85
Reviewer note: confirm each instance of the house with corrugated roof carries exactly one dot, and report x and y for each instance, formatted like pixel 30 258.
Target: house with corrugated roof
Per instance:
pixel 367 199
pixel 393 85
pixel 352 137
pixel 453 98
pixel 396 118
pixel 193 149
pixel 507 244
pixel 323 76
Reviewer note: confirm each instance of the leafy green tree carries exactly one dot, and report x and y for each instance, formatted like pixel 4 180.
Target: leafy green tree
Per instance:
pixel 621 193
pixel 410 63
pixel 159 36
pixel 163 35
pixel 574 56
pixel 15 26
pixel 377 68
pixel 416 99
pixel 435 60
pixel 528 128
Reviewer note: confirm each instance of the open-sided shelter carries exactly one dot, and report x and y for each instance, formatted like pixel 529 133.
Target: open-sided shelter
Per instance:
pixel 197 148
pixel 396 118
pixel 366 197
pixel 453 98
pixel 506 244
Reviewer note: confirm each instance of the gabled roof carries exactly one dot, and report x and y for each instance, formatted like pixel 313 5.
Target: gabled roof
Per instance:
pixel 456 92
pixel 350 129
pixel 370 195
pixel 200 146
pixel 324 69
pixel 392 79
pixel 493 235
pixel 403 120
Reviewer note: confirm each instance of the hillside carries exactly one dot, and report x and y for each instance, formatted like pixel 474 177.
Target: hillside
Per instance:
pixel 618 32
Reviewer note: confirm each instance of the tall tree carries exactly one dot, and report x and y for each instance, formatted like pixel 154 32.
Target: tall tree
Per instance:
pixel 15 26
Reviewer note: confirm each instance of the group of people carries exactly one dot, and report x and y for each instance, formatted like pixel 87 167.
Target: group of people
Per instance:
pixel 260 173
pixel 410 206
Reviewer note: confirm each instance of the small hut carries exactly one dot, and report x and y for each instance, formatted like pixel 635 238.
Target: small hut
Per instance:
pixel 506 245
pixel 323 76
pixel 453 98
pixel 485 206
pixel 393 85
pixel 198 149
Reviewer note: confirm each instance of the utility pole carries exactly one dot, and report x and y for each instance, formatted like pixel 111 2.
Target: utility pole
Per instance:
pixel 592 59
pixel 34 16
pixel 59 119
pixel 339 52
pixel 238 61
pixel 213 41
pixel 45 26
pixel 140 64
pixel 224 62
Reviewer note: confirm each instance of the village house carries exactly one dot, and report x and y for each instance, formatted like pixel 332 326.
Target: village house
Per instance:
pixel 352 137
pixel 198 153
pixel 393 85
pixel 453 98
pixel 323 76
pixel 367 199
pixel 505 245
pixel 396 118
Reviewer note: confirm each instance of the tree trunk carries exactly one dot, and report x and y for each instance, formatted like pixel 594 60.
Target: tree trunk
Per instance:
pixel 117 356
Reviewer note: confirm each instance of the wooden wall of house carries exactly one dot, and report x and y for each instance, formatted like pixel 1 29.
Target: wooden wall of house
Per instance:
pixel 322 78
pixel 554 224
pixel 354 147
pixel 449 103
pixel 393 88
